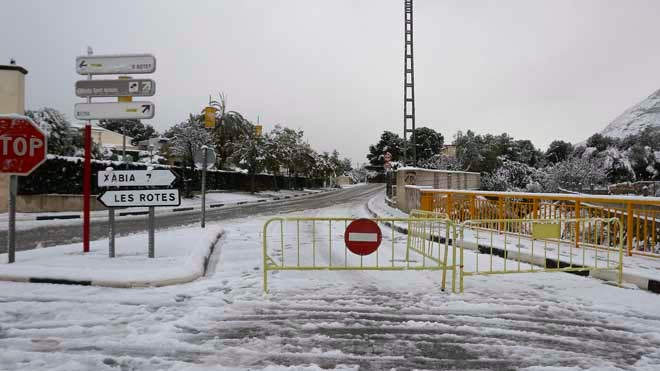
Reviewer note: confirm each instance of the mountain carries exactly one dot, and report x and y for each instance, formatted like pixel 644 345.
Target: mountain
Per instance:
pixel 636 118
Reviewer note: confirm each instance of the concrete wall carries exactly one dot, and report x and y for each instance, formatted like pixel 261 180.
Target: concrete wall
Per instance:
pixel 343 180
pixel 54 203
pixel 12 100
pixel 12 90
pixel 431 179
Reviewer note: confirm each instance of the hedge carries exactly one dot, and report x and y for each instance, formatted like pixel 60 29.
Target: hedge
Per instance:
pixel 63 175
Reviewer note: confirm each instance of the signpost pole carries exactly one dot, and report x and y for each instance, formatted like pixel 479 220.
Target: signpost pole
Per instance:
pixel 111 225
pixel 204 164
pixel 151 232
pixel 11 233
pixel 87 175
pixel 111 238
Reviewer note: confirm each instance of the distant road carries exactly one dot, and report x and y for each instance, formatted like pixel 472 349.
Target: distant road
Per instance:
pixel 49 235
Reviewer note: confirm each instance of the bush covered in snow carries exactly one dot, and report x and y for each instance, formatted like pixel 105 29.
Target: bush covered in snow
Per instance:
pixel 62 175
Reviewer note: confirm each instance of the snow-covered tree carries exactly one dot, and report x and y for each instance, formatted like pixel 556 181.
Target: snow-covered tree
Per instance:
pixel 574 173
pixel 359 175
pixel 186 138
pixel 388 142
pixel 468 150
pixel 230 127
pixel 63 139
pixel 513 176
pixel 558 151
pixel 428 143
pixel 442 162
pixel 250 154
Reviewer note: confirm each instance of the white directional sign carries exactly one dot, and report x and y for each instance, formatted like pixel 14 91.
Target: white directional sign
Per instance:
pixel 136 178
pixel 140 198
pixel 116 88
pixel 115 64
pixel 117 111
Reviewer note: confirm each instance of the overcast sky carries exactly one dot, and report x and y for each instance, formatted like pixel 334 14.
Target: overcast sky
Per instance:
pixel 539 70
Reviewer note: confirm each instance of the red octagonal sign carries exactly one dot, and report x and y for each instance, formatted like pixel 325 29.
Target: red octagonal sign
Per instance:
pixel 363 236
pixel 22 145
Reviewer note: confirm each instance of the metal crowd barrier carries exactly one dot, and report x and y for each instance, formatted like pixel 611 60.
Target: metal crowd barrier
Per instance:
pixel 317 243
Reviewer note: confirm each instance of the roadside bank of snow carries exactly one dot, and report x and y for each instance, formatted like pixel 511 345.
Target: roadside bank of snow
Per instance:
pixel 180 256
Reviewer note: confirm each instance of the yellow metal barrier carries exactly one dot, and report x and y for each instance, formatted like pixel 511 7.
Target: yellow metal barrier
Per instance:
pixel 639 216
pixel 496 246
pixel 317 243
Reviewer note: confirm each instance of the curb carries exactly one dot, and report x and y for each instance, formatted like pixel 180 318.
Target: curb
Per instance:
pixel 643 283
pixel 51 217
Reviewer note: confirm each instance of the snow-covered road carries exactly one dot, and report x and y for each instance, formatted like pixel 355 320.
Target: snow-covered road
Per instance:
pixel 365 320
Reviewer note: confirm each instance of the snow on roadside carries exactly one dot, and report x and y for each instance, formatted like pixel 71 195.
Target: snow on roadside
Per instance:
pixel 328 319
pixel 180 256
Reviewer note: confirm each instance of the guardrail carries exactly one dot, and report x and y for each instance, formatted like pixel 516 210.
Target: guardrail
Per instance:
pixel 318 243
pixel 639 216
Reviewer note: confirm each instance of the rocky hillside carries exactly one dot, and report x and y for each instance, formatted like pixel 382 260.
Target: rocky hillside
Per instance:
pixel 636 118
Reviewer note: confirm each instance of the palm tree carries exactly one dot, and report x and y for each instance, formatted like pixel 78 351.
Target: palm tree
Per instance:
pixel 230 127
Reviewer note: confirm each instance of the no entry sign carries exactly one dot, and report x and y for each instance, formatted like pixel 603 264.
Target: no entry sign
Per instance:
pixel 22 145
pixel 362 236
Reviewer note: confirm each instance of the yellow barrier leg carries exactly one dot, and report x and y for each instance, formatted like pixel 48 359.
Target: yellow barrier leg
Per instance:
pixel 444 269
pixel 265 262
pixel 453 260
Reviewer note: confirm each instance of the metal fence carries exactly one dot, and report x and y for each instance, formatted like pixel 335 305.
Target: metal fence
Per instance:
pixel 639 216
pixel 317 243
pixel 498 246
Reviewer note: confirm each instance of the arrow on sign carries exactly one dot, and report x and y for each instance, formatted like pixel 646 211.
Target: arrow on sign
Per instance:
pixel 137 198
pixel 83 64
pixel 146 86
pixel 146 108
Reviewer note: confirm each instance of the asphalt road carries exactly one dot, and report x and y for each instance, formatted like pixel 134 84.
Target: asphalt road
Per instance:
pixel 51 234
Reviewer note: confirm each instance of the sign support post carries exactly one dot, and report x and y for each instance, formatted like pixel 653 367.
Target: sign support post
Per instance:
pixel 111 238
pixel 204 165
pixel 87 175
pixel 11 233
pixel 204 158
pixel 111 226
pixel 152 223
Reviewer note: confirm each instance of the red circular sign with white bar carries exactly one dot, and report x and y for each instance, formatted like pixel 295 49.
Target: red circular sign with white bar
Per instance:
pixel 363 236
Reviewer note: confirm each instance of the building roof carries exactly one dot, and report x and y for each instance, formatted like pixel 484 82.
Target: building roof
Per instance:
pixel 13 67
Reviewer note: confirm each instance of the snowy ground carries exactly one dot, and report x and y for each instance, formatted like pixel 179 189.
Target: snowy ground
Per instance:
pixel 329 319
pixel 179 256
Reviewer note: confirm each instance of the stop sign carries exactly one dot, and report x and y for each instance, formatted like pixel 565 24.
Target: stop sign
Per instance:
pixel 362 236
pixel 22 145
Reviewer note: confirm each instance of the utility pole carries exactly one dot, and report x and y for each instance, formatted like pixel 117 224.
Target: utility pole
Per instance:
pixel 409 86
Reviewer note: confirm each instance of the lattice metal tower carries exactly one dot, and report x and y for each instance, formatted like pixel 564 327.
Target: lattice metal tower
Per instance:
pixel 409 86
